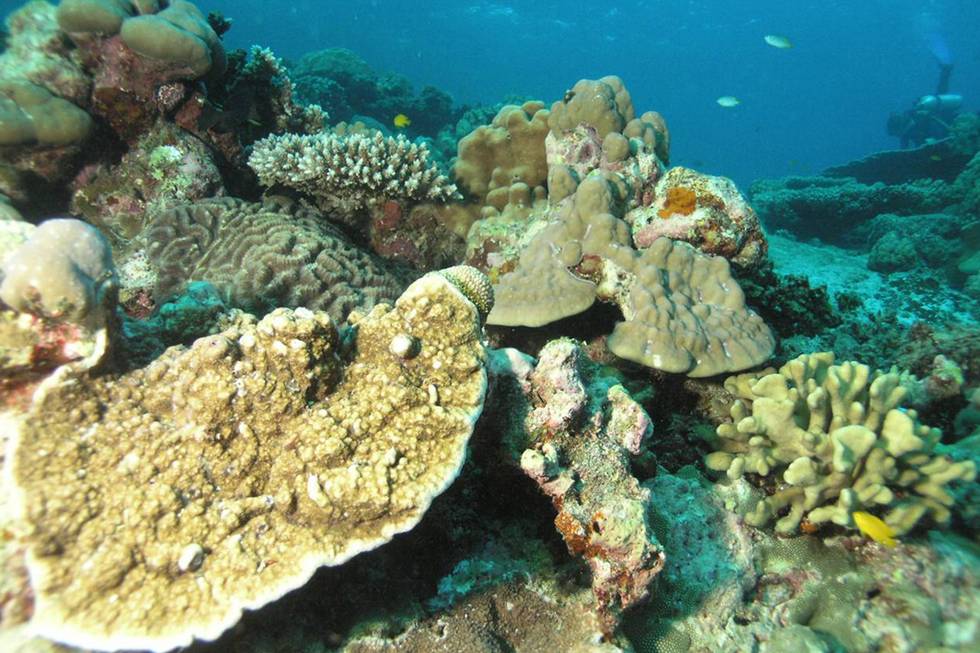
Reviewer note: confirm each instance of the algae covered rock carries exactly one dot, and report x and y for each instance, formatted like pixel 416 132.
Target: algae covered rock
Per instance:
pixel 163 502
pixel 836 438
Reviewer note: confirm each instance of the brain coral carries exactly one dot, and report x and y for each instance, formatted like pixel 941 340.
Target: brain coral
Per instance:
pixel 263 256
pixel 836 437
pixel 163 502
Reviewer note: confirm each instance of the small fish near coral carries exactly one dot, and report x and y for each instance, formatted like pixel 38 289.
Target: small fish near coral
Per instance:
pixel 874 528
pixel 401 121
pixel 728 101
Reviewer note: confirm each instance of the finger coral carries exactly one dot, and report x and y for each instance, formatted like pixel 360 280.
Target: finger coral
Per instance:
pixel 836 438
pixel 263 256
pixel 163 502
pixel 346 174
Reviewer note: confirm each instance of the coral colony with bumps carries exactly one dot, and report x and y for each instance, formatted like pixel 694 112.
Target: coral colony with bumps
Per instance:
pixel 276 380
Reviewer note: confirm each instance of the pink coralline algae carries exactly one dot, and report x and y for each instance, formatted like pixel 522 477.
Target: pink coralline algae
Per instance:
pixel 582 428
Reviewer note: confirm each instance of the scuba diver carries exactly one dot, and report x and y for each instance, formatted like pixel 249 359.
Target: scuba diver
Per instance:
pixel 930 118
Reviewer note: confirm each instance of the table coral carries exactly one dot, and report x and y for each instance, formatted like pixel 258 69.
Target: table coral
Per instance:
pixel 164 501
pixel 836 437
pixel 263 256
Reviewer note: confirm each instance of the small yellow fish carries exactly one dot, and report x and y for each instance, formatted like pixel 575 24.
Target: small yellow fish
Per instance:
pixel 728 101
pixel 401 121
pixel 777 41
pixel 874 528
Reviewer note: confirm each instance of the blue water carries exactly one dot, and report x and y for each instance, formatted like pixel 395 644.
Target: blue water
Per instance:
pixel 822 102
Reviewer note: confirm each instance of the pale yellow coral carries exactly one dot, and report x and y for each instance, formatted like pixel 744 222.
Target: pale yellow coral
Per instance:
pixel 837 436
pixel 163 502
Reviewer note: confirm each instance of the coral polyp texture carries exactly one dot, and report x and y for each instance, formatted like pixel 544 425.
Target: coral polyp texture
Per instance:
pixel 163 502
pixel 683 312
pixel 346 174
pixel 836 441
pixel 265 255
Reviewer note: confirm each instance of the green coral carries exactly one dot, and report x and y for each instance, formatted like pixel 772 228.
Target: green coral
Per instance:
pixel 838 442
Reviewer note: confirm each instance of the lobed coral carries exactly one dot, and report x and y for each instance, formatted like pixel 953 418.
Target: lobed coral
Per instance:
pixel 264 256
pixel 836 437
pixel 164 501
pixel 683 311
pixel 345 175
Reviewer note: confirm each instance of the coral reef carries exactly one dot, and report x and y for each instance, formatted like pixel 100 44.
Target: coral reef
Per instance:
pixel 835 435
pixel 264 256
pixel 164 168
pixel 683 310
pixel 581 429
pixel 346 86
pixel 708 212
pixel 830 207
pixel 239 466
pixel 344 175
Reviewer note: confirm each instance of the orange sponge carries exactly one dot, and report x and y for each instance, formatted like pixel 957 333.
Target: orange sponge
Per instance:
pixel 679 200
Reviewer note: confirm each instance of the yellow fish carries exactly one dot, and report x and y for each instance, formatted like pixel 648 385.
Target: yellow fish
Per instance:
pixel 728 101
pixel 777 41
pixel 874 528
pixel 401 121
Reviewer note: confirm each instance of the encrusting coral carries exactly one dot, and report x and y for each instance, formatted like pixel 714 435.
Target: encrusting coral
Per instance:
pixel 163 502
pixel 265 255
pixel 836 437
pixel 346 174
pixel 581 428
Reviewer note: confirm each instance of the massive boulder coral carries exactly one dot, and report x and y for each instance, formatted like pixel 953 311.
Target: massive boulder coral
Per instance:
pixel 141 56
pixel 163 502
pixel 836 437
pixel 494 158
pixel 265 255
pixel 683 312
pixel 706 211
pixel 582 428
pixel 63 271
pixel 345 175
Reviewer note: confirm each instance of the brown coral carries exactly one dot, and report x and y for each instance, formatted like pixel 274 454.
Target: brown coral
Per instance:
pixel 262 256
pixel 163 502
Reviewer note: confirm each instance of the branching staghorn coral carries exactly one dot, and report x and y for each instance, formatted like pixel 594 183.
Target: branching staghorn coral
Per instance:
pixel 840 443
pixel 346 174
